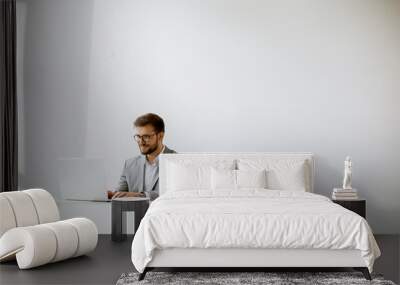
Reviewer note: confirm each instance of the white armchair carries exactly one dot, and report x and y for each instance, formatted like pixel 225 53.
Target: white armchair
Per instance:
pixel 31 230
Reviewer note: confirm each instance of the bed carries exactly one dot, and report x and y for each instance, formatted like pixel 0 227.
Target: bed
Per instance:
pixel 246 210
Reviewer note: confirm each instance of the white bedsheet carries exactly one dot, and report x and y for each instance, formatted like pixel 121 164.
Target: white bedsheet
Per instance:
pixel 251 218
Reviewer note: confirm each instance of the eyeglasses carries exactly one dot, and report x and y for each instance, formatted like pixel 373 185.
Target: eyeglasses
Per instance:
pixel 145 138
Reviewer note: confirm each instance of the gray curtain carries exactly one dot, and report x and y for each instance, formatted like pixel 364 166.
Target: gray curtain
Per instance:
pixel 8 98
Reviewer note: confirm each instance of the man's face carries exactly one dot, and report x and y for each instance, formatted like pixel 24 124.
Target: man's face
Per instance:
pixel 147 139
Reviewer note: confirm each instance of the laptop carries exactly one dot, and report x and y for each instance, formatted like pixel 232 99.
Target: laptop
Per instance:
pixel 83 179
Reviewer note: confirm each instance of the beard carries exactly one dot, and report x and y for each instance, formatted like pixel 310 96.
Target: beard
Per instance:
pixel 148 149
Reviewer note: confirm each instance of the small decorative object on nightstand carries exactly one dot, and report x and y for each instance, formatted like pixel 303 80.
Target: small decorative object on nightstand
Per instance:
pixel 347 178
pixel 347 192
pixel 344 194
pixel 358 206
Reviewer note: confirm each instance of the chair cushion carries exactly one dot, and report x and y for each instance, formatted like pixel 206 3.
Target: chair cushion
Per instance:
pixel 45 205
pixel 7 215
pixel 27 208
pixel 23 208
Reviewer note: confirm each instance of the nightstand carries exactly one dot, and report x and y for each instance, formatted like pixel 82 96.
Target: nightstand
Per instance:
pixel 358 206
pixel 119 207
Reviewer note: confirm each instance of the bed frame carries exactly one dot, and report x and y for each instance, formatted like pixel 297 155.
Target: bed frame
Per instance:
pixel 245 259
pixel 250 259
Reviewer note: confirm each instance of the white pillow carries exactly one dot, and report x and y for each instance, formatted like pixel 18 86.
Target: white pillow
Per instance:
pixel 237 179
pixel 251 178
pixel 282 174
pixel 223 179
pixel 187 174
pixel 188 177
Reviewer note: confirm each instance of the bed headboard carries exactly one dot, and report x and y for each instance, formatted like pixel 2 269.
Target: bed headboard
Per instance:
pixel 193 156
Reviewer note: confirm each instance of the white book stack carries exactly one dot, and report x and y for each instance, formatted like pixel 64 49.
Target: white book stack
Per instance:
pixel 344 194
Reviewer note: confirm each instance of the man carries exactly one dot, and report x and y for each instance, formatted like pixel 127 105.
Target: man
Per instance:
pixel 139 176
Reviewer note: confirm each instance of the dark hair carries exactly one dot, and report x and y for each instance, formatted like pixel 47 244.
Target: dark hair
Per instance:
pixel 150 119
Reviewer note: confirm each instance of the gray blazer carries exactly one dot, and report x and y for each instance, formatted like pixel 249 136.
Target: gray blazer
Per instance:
pixel 132 177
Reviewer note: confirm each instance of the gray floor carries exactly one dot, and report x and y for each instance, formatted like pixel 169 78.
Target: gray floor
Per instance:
pixel 103 266
pixel 109 260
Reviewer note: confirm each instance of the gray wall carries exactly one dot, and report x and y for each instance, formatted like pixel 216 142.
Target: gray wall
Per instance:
pixel 320 76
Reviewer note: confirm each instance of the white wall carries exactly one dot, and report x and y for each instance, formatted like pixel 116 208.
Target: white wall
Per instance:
pixel 320 76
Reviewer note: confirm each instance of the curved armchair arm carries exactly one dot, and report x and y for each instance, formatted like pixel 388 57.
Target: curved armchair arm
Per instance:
pixel 32 246
pixel 40 244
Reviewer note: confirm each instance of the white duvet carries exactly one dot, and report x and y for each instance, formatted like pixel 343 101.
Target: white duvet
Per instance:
pixel 251 218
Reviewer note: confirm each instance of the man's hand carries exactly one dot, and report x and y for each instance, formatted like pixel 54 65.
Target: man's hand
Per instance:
pixel 119 194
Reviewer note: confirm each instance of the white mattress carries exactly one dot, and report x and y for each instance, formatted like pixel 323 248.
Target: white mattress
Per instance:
pixel 250 218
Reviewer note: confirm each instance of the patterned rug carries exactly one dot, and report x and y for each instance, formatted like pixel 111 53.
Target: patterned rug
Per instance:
pixel 273 278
